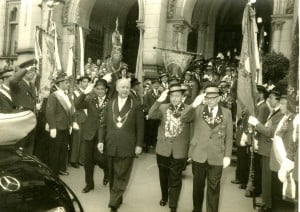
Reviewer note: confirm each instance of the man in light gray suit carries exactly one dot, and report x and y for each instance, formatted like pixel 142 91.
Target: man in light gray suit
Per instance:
pixel 210 147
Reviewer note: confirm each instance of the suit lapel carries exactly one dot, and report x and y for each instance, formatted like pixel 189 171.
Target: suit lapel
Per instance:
pixel 212 122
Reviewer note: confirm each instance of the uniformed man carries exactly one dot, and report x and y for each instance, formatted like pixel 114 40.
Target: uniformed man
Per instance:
pixel 6 102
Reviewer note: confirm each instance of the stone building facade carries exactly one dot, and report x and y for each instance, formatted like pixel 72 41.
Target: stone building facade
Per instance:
pixel 160 23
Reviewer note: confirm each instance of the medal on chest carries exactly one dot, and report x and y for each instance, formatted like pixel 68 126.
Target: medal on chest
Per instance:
pixel 120 120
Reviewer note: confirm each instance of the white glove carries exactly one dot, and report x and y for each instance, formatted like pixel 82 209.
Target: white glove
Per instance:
pixel 163 96
pixel 198 100
pixel 75 126
pixel 226 162
pixel 253 121
pixel 255 142
pixel 53 133
pixel 38 106
pixel 107 77
pixel 147 117
pixel 243 139
pixel 287 164
pixel 282 174
pixel 47 128
pixel 138 150
pixel 89 88
pixel 100 147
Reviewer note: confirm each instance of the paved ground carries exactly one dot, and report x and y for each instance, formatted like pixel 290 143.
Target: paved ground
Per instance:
pixel 143 192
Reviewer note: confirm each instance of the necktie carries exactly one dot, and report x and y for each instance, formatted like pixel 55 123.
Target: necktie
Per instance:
pixel 210 110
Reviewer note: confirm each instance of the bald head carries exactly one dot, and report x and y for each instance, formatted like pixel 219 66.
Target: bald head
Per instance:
pixel 123 87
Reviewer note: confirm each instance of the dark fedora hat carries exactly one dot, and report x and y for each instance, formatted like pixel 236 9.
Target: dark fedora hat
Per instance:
pixel 177 87
pixel 102 82
pixel 61 76
pixel 134 82
pixel 276 91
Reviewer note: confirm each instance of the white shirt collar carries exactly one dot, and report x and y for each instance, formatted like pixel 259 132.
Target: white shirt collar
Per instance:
pixel 214 110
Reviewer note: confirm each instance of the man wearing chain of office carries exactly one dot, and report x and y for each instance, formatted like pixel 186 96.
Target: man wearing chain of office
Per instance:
pixel 121 137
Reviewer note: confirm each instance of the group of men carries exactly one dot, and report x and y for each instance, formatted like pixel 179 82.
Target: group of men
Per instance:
pixel 182 118
pixel 274 150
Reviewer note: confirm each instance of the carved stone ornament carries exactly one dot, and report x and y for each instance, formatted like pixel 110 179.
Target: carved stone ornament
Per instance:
pixel 179 27
pixel 277 24
pixel 289 7
pixel 71 30
pixel 171 8
pixel 66 11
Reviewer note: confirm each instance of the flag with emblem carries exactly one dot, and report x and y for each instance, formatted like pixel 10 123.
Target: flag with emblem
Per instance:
pixel 249 63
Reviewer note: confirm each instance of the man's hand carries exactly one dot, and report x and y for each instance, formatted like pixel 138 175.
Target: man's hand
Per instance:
pixel 226 162
pixel 100 147
pixel 198 100
pixel 253 121
pixel 47 128
pixel 107 77
pixel 138 150
pixel 244 139
pixel 53 133
pixel 163 96
pixel 89 88
pixel 38 106
pixel 75 126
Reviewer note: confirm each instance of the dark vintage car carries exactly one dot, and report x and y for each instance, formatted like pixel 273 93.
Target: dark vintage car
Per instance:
pixel 26 184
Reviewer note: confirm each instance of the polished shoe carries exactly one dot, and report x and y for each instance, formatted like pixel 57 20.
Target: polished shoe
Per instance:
pixel 173 209
pixel 105 181
pixel 113 209
pixel 63 173
pixel 75 165
pixel 242 186
pixel 163 202
pixel 87 189
pixel 235 182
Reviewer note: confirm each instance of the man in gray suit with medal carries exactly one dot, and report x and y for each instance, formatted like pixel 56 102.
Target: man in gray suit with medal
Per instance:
pixel 210 147
pixel 121 137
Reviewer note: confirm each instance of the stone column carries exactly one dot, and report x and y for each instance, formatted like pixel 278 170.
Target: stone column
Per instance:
pixel 2 25
pixel 276 34
pixel 202 30
pixel 139 72
pixel 210 41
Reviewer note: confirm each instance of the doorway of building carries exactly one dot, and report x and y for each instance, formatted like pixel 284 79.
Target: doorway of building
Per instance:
pixel 103 18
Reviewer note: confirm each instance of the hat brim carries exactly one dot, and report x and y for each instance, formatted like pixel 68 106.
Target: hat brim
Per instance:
pixel 212 94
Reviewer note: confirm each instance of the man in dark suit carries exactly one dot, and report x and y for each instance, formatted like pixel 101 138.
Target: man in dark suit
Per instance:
pixel 6 102
pixel 151 125
pixel 59 115
pixel 24 95
pixel 172 143
pixel 265 133
pixel 210 147
pixel 77 145
pixel 121 137
pixel 95 103
pixel 136 90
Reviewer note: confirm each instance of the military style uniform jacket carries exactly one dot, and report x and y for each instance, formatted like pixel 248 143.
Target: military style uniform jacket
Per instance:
pixel 6 102
pixel 211 141
pixel 24 95
pixel 176 146
pixel 121 139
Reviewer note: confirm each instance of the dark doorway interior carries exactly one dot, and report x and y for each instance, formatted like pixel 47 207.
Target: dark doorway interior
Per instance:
pixel 131 38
